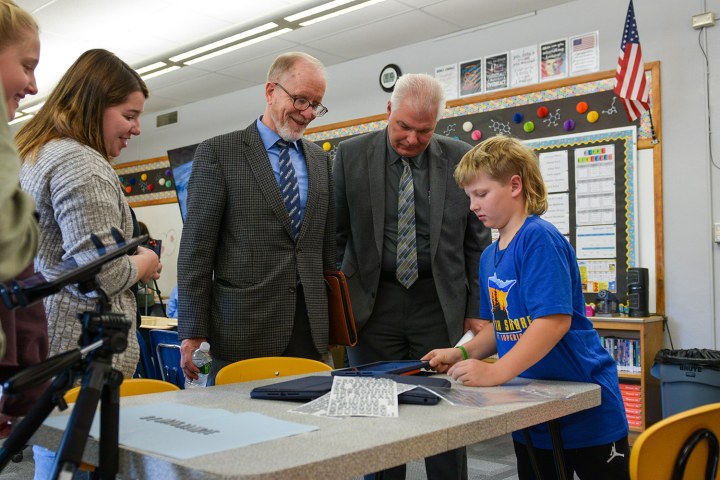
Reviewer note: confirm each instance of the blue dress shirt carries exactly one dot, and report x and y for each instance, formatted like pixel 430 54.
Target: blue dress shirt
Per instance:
pixel 297 157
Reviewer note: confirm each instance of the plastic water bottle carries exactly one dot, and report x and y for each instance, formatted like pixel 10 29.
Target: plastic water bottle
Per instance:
pixel 202 360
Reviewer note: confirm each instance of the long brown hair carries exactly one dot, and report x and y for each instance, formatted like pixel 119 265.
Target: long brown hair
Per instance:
pixel 15 24
pixel 97 80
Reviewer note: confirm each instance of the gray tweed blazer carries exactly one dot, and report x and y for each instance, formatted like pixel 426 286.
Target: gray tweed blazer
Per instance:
pixel 77 193
pixel 238 263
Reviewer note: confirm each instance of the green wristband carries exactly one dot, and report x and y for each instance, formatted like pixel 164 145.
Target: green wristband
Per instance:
pixel 464 352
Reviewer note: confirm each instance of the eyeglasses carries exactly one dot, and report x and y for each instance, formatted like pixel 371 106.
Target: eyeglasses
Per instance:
pixel 302 104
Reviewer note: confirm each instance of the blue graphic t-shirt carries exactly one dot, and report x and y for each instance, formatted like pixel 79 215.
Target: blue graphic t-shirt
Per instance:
pixel 537 275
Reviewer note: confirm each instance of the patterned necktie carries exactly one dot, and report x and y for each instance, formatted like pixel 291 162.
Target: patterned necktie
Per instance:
pixel 289 187
pixel 407 266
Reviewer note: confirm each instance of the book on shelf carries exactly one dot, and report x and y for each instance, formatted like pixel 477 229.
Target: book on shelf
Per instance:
pixel 625 352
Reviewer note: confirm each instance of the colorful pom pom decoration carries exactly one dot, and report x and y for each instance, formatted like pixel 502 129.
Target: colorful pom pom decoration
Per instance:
pixel 592 117
pixel 529 127
pixel 582 107
pixel 569 125
pixel 467 126
pixel 327 146
pixel 542 112
pixel 476 135
pixel 143 177
pixel 518 117
pixel 128 189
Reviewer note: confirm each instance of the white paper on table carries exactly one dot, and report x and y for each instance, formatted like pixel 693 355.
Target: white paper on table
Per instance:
pixel 363 397
pixel 469 335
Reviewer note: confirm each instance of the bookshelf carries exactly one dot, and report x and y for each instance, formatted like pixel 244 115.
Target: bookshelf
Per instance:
pixel 649 331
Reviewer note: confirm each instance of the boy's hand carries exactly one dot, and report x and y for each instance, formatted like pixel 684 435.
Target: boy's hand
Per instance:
pixel 473 373
pixel 443 358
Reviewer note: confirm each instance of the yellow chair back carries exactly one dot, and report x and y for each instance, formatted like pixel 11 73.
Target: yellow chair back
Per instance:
pixel 657 450
pixel 131 387
pixel 267 367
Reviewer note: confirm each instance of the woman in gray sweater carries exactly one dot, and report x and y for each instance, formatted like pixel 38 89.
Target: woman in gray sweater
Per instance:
pixel 66 150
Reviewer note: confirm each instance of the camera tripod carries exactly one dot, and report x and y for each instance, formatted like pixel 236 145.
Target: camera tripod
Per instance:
pixel 104 334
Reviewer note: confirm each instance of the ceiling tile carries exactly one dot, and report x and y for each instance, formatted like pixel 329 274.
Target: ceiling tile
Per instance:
pixel 202 87
pixel 97 20
pixel 237 11
pixel 405 29
pixel 471 13
pixel 419 3
pixel 156 104
pixel 347 21
pixel 171 78
pixel 256 70
pixel 177 25
pixel 266 47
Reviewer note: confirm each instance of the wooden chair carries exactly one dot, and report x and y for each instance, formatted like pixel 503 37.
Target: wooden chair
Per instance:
pixel 674 448
pixel 267 367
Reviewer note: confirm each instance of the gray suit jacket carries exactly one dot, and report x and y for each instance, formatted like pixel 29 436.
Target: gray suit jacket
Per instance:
pixel 457 237
pixel 238 261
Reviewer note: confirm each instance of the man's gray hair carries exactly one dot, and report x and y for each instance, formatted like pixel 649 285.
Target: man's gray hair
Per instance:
pixel 286 61
pixel 425 93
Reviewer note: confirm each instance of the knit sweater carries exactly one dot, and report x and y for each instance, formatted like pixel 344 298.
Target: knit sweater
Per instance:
pixel 77 194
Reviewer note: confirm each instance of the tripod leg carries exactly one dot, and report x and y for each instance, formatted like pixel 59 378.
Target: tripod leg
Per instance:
pixel 32 421
pixel 109 434
pixel 73 442
pixel 162 305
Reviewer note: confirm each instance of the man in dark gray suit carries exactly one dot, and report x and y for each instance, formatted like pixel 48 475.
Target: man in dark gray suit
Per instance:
pixel 260 231
pixel 406 241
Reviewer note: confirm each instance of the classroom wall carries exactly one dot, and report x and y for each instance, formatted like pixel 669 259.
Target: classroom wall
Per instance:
pixel 691 206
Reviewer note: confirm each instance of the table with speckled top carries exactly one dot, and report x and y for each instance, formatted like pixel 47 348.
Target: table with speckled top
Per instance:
pixel 341 448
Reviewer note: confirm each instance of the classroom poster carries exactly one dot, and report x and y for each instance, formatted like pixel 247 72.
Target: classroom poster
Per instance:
pixel 584 53
pixel 596 241
pixel 595 185
pixel 471 77
pixel 448 77
pixel 598 275
pixel 554 170
pixel 497 75
pixel 524 66
pixel 558 212
pixel 553 60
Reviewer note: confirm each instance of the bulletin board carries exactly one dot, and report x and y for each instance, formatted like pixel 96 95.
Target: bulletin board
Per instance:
pixel 147 182
pixel 473 119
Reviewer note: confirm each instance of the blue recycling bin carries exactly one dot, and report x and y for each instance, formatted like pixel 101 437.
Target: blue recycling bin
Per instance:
pixel 688 378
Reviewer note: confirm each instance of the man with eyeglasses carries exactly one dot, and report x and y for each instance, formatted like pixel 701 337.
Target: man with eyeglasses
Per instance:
pixel 260 231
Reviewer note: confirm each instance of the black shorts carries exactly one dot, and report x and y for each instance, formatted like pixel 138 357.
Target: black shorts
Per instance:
pixel 600 462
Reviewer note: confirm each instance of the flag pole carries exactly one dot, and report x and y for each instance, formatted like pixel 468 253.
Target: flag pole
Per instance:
pixel 652 128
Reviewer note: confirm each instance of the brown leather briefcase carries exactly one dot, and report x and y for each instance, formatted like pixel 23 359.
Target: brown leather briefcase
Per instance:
pixel 342 324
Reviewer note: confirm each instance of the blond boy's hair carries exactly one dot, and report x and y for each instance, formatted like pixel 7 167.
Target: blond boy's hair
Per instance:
pixel 500 158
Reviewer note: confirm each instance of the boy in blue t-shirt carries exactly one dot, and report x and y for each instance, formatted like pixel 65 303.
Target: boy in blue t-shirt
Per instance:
pixel 531 292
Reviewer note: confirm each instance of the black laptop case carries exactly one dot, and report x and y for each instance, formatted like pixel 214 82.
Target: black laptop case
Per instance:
pixel 311 387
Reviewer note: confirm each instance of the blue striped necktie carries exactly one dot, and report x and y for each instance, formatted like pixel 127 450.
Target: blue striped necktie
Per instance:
pixel 289 187
pixel 407 266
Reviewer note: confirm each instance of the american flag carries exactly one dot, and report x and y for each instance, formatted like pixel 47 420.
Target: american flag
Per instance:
pixel 584 43
pixel 631 86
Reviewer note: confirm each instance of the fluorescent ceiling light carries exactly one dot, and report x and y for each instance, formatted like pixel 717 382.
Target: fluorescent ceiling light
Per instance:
pixel 20 119
pixel 150 68
pixel 318 9
pixel 32 109
pixel 160 72
pixel 224 41
pixel 341 12
pixel 238 46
